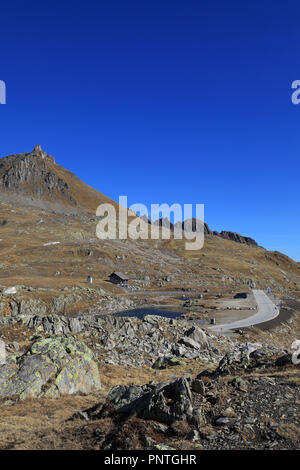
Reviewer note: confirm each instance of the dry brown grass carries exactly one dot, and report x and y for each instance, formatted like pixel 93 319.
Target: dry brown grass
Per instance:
pixel 41 423
pixel 112 375
pixel 27 261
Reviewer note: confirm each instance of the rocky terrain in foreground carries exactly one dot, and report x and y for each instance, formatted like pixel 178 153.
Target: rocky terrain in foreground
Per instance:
pixel 206 391
pixel 250 401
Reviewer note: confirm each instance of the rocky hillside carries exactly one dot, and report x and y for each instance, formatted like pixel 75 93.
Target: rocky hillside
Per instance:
pixel 48 238
pixel 35 178
pixel 155 384
pixel 239 405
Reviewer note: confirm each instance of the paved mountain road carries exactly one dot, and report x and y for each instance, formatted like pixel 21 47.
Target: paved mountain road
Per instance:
pixel 266 311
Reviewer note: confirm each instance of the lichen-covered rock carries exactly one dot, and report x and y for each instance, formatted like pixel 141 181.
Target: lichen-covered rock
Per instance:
pixel 140 342
pixel 32 307
pixel 164 362
pixel 59 303
pixel 52 366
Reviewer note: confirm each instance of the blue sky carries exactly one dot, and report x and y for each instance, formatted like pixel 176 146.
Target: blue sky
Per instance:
pixel 164 101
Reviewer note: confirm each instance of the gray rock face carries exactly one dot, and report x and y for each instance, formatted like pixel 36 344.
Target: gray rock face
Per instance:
pixel 129 341
pixel 138 341
pixel 54 324
pixel 32 307
pixel 52 366
pixel 236 237
pixel 244 356
pixel 165 403
pixel 164 222
pixel 32 174
pixel 190 343
pixel 164 362
pixel 194 225
pixel 198 335
pixel 38 151
pixel 59 303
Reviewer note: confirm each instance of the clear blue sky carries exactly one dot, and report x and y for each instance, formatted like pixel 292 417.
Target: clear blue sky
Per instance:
pixel 165 101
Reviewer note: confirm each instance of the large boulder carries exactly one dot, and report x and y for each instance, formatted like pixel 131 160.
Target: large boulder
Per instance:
pixel 166 402
pixel 198 335
pixel 52 366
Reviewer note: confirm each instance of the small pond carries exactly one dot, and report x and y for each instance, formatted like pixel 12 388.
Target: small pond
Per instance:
pixel 142 312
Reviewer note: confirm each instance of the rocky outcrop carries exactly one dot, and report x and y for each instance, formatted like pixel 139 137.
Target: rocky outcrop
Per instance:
pixel 34 175
pixel 236 237
pixel 195 225
pixel 130 341
pixel 165 403
pixel 51 367
pixel 164 222
pixel 248 356
pixel 229 408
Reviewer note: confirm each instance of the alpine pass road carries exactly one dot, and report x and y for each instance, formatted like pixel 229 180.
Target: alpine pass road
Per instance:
pixel 266 310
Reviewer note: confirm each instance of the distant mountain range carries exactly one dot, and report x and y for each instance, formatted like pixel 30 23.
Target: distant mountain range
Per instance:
pixel 192 225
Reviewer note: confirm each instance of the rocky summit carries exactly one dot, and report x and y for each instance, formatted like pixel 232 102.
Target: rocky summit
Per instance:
pixel 36 179
pixel 195 350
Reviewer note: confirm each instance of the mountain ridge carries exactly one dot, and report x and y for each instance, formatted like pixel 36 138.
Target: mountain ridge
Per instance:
pixel 34 178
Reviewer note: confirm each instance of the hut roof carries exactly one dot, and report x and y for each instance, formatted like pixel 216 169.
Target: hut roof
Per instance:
pixel 119 275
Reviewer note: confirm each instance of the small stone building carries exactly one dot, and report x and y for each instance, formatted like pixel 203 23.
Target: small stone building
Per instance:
pixel 119 278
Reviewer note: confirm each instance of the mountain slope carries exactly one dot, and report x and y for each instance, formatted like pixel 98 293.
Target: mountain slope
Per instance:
pixel 36 177
pixel 40 248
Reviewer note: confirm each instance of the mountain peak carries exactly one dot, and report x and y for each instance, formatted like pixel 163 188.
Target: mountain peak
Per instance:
pixel 39 152
pixel 35 178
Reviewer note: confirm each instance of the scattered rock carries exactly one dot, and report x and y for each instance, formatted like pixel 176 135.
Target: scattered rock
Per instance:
pixel 198 386
pixel 165 403
pixel 195 333
pixel 190 343
pixel 9 291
